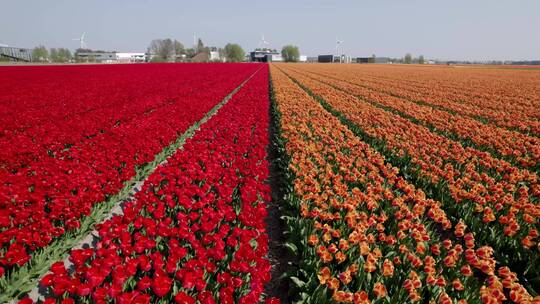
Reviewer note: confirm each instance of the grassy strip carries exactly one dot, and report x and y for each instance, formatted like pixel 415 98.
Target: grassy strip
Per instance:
pixel 27 277
pixel 465 142
pixel 507 251
pixel 481 119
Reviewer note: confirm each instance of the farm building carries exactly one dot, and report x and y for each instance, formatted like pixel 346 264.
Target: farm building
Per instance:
pixel 325 58
pixel 265 55
pixel 334 58
pixel 372 60
pixel 130 57
pixel 112 57
pixel 15 53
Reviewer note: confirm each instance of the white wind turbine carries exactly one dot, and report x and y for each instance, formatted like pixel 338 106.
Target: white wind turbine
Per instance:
pixel 263 42
pixel 81 39
pixel 338 43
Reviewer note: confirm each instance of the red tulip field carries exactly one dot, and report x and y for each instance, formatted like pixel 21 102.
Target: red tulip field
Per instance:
pixel 269 183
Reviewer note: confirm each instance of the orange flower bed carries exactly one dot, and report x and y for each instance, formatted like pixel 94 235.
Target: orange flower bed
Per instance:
pixel 483 189
pixel 522 149
pixel 366 233
pixel 506 98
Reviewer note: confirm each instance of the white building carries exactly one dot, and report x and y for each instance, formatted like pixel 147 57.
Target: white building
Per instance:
pixel 214 56
pixel 303 58
pixel 276 58
pixel 112 57
pixel 131 57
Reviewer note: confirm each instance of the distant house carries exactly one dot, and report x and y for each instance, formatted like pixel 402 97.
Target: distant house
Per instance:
pixel 343 59
pixel 363 59
pixel 214 54
pixel 201 57
pixel 333 58
pixel 131 57
pixel 265 55
pixel 96 56
pixel 325 58
pixel 111 57
pixel 372 60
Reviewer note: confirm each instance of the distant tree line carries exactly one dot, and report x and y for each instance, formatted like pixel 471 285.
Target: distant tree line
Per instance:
pixel 290 53
pixel 57 55
pixel 166 50
pixel 169 50
pixel 234 53
pixel 408 59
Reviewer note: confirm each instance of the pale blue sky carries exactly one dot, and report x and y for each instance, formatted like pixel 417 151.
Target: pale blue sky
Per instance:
pixel 458 29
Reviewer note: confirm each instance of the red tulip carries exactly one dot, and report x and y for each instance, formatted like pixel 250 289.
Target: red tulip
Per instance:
pixel 161 285
pixel 183 298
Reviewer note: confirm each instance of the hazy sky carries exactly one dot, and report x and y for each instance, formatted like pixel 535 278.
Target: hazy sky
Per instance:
pixel 457 29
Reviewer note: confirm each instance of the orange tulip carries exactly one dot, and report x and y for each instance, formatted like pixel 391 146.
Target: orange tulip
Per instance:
pixel 388 268
pixel 324 275
pixel 379 290
pixel 361 298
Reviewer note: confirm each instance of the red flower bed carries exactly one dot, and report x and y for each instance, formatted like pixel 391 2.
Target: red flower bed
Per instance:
pixel 72 135
pixel 196 230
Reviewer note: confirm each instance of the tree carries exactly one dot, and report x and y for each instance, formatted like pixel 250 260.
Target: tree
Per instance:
pixel 40 54
pixel 290 53
pixel 200 46
pixel 179 51
pixel 60 55
pixel 190 52
pixel 64 54
pixel 178 48
pixel 421 59
pixel 162 49
pixel 234 52
pixel 407 59
pixel 53 54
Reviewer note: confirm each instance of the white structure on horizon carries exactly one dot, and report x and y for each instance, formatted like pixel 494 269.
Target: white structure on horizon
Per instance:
pixel 130 57
pixel 214 56
pixel 276 58
pixel 112 57
pixel 81 40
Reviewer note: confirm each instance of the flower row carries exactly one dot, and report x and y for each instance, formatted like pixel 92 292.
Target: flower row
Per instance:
pixel 505 98
pixel 521 148
pixel 367 233
pixel 196 230
pixel 483 188
pixel 96 133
